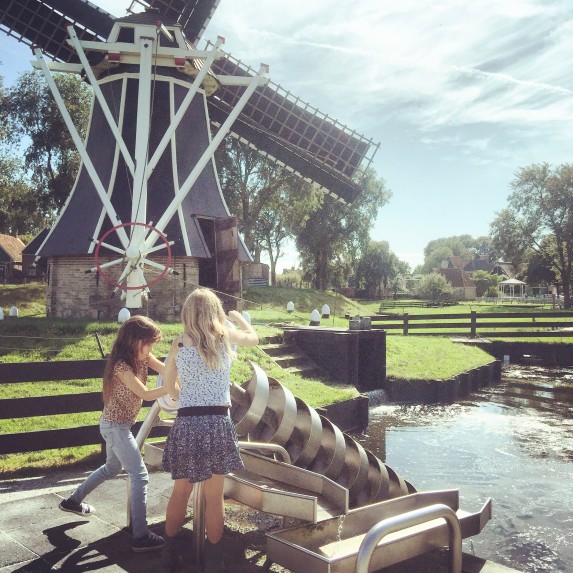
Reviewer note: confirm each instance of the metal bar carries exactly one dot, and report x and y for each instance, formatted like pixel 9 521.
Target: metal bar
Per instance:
pixel 198 522
pixel 213 54
pixel 262 446
pixel 409 519
pixel 81 149
pixel 101 99
pixel 139 204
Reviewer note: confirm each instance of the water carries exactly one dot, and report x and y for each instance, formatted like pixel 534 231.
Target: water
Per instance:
pixel 512 444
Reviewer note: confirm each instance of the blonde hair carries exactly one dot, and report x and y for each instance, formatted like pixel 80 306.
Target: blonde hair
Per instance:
pixel 203 321
pixel 126 347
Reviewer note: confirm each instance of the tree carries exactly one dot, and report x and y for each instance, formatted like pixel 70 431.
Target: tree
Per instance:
pixel 335 235
pixel 539 265
pixel 270 202
pixel 18 212
pixel 51 159
pixel 377 268
pixel 434 287
pixel 540 207
pixel 486 283
pixel 433 260
pixel 464 246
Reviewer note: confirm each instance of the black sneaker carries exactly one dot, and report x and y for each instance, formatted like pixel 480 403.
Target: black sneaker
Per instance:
pixel 84 509
pixel 149 542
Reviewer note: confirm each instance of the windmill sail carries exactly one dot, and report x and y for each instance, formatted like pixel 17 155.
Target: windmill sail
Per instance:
pixel 275 122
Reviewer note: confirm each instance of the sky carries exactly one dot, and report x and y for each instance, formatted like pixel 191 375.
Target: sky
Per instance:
pixel 459 95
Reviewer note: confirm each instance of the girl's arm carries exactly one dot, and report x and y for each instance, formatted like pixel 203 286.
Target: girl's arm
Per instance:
pixel 155 363
pixel 139 388
pixel 170 380
pixel 245 334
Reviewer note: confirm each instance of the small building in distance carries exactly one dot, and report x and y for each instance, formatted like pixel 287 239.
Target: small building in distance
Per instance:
pixel 10 258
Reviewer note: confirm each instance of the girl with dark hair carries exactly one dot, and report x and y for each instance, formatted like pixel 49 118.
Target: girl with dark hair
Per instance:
pixel 124 389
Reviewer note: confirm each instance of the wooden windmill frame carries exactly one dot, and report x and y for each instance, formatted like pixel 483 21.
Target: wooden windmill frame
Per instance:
pixel 238 100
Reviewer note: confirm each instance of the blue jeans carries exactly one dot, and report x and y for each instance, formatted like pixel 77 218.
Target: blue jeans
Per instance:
pixel 121 451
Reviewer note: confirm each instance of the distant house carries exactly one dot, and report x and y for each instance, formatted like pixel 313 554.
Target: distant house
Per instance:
pixel 32 269
pixel 505 270
pixel 10 258
pixel 462 282
pixel 481 263
pixel 454 263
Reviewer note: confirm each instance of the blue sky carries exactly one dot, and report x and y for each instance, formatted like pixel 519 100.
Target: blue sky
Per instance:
pixel 459 95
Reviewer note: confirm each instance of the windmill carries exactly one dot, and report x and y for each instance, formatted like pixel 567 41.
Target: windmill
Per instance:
pixel 147 202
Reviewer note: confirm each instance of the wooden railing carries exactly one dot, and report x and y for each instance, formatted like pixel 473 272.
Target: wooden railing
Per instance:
pixel 397 303
pixel 51 405
pixel 484 324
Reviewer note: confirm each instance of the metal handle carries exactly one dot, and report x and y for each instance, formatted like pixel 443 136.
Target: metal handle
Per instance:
pixel 268 447
pixel 409 519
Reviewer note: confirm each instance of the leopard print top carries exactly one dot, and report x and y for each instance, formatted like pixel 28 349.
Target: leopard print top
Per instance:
pixel 123 405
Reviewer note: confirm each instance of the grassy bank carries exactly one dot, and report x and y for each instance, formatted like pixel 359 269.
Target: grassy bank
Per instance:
pixel 34 338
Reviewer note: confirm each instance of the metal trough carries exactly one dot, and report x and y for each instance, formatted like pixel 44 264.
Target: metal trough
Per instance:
pixel 332 546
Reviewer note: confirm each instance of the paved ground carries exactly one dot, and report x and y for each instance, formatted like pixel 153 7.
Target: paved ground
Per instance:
pixel 37 537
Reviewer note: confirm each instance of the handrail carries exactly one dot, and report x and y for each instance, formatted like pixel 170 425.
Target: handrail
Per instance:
pixel 409 519
pixel 268 447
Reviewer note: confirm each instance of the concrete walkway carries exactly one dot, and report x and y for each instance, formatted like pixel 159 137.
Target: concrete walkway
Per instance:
pixel 37 537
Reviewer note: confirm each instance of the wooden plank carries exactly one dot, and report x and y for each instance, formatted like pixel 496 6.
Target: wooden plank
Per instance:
pixel 50 405
pixel 47 371
pixel 64 438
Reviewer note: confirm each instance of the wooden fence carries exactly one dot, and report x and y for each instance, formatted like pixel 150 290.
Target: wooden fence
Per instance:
pixel 392 303
pixel 50 405
pixel 482 325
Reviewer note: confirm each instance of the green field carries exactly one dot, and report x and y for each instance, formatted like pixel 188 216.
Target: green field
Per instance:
pixel 32 337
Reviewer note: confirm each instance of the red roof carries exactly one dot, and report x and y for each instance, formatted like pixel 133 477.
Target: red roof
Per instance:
pixel 12 246
pixel 458 278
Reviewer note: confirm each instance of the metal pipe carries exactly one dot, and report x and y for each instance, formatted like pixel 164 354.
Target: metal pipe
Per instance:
pixel 268 447
pixel 198 522
pixel 409 519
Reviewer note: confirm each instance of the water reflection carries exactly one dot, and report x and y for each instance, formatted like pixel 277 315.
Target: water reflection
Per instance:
pixel 511 443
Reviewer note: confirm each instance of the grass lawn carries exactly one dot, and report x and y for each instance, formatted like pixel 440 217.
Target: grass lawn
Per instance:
pixel 35 338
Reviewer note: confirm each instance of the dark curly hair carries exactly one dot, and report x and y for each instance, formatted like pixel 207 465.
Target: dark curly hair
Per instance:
pixel 134 330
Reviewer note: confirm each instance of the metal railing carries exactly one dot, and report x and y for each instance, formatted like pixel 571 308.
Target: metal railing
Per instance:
pixel 409 519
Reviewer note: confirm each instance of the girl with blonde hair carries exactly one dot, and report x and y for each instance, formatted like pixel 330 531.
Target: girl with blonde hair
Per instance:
pixel 202 444
pixel 124 389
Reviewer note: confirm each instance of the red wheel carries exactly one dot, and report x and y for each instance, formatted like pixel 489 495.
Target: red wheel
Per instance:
pixel 121 286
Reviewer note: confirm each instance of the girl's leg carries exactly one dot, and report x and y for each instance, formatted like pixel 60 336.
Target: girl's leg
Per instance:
pixel 214 507
pixel 109 470
pixel 128 453
pixel 177 506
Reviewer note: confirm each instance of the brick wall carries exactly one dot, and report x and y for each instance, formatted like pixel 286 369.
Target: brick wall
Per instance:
pixel 71 293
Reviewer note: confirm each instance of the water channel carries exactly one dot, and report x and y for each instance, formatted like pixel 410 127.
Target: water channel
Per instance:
pixel 511 442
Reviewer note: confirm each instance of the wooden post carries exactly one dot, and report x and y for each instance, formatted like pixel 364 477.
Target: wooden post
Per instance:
pixel 473 324
pixel 405 328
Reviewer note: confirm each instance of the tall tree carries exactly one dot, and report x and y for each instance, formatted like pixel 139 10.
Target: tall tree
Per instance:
pixel 337 234
pixel 270 202
pixel 464 246
pixel 18 210
pixel 377 267
pixel 50 156
pixel 540 206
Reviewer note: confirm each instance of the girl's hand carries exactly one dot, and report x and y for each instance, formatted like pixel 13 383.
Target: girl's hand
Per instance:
pixel 245 335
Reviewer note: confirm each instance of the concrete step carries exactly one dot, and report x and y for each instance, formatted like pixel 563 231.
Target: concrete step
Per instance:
pixel 278 349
